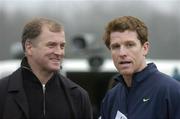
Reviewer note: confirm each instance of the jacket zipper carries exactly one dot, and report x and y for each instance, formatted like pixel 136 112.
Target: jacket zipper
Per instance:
pixel 44 99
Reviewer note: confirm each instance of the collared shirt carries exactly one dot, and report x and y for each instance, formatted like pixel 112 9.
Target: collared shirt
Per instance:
pixel 153 95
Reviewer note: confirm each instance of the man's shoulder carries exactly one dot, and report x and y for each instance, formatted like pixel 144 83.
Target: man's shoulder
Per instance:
pixel 165 79
pixel 3 89
pixel 69 84
pixel 115 91
pixel 165 82
pixel 116 88
pixel 4 81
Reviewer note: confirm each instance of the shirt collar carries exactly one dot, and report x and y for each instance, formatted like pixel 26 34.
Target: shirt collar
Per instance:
pixel 25 64
pixel 140 76
pixel 28 73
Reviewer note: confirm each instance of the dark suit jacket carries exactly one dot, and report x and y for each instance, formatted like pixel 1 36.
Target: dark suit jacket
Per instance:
pixel 14 105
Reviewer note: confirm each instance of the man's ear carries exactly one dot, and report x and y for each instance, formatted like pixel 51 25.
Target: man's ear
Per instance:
pixel 145 48
pixel 28 47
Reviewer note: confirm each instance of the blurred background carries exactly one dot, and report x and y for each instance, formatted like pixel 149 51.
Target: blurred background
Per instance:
pixel 90 17
pixel 84 22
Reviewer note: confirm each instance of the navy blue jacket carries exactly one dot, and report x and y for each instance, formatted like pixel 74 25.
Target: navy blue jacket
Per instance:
pixel 153 95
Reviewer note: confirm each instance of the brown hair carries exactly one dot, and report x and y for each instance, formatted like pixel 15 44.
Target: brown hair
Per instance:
pixel 124 23
pixel 34 28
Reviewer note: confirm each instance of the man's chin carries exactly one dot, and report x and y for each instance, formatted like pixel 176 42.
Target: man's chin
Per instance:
pixel 126 72
pixel 54 69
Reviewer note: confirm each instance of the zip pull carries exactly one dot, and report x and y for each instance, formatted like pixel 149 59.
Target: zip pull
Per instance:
pixel 44 88
pixel 44 100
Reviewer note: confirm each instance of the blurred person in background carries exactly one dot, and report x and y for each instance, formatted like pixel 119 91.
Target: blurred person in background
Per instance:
pixel 142 91
pixel 176 74
pixel 37 90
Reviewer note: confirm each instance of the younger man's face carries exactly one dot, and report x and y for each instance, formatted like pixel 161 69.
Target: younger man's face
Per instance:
pixel 127 52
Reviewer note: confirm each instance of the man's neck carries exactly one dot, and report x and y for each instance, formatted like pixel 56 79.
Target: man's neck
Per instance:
pixel 43 77
pixel 128 80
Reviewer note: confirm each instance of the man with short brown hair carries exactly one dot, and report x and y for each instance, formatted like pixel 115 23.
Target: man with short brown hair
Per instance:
pixel 142 91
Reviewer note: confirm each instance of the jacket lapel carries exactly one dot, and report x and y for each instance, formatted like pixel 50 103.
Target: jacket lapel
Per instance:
pixel 68 87
pixel 16 89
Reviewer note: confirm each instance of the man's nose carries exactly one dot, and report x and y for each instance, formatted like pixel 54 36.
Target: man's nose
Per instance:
pixel 122 51
pixel 59 51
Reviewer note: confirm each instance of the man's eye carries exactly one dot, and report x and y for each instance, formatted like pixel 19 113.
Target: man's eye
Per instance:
pixel 115 47
pixel 62 46
pixel 50 46
pixel 130 44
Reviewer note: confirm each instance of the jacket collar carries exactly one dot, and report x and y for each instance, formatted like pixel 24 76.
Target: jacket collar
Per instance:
pixel 68 87
pixel 25 65
pixel 16 89
pixel 140 76
pixel 67 83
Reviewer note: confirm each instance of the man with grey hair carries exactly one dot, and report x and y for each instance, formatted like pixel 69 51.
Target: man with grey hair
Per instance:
pixel 37 90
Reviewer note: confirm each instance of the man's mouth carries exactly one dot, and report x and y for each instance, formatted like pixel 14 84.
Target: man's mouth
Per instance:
pixel 124 62
pixel 55 59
